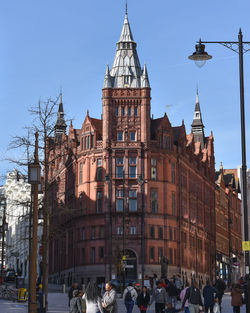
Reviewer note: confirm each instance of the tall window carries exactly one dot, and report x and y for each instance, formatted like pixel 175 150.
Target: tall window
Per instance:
pixel 101 252
pixel 153 169
pixel 119 167
pixel 170 256
pixel 132 200
pixel 170 234
pixel 154 201
pixel 89 142
pixel 152 253
pixel 132 167
pixel 101 232
pixel 132 230
pixel 83 234
pixel 83 256
pixel 166 142
pixel 120 136
pixel 132 136
pixel 99 170
pixel 99 201
pixel 173 173
pixel 123 111
pixel 92 141
pixel 86 143
pixel 152 232
pixel 160 253
pixel 173 204
pixel 92 232
pixel 117 111
pixel 135 111
pixel 129 111
pixel 119 230
pixel 160 233
pixel 119 200
pixel 93 255
pixel 80 173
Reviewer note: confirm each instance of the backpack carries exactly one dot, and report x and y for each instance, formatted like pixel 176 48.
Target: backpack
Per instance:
pixel 128 296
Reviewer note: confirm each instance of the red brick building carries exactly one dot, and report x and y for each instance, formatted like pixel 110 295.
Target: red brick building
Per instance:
pixel 229 257
pixel 128 188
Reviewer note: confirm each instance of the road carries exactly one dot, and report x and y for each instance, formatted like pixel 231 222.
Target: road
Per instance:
pixel 58 303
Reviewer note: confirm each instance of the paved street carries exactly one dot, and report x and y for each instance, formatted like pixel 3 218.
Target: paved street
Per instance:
pixel 58 303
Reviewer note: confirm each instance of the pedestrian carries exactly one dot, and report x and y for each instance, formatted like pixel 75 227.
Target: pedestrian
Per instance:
pixel 172 292
pixel 83 301
pixel 216 306
pixel 208 295
pixel 72 288
pixel 193 296
pixel 236 295
pixel 160 297
pixel 220 286
pixel 129 297
pixel 92 298
pixel 178 284
pixel 109 299
pixel 182 295
pixel 75 303
pixel 143 300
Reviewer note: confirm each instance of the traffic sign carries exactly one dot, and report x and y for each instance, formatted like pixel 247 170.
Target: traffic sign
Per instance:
pixel 246 245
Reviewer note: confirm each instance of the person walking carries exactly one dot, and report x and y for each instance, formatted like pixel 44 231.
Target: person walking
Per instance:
pixel 109 299
pixel 178 284
pixel 208 295
pixel 83 302
pixel 220 286
pixel 172 293
pixel 193 296
pixel 182 296
pixel 93 299
pixel 143 300
pixel 75 303
pixel 160 297
pixel 129 297
pixel 72 288
pixel 236 295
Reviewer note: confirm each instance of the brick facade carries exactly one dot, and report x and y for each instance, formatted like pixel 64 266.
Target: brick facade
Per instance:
pixel 115 173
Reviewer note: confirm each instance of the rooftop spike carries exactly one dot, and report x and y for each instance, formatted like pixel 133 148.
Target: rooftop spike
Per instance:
pixel 126 8
pixel 197 127
pixel 107 80
pixel 144 78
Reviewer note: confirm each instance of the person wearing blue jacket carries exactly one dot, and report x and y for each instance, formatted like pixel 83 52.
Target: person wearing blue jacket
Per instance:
pixel 209 293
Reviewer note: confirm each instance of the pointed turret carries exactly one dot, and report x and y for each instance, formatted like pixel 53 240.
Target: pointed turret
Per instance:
pixel 144 78
pixel 126 71
pixel 197 127
pixel 60 126
pixel 107 80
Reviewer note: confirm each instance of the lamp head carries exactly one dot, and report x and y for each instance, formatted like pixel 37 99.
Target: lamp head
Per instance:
pixel 200 56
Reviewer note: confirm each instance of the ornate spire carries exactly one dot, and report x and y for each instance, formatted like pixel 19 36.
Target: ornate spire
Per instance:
pixel 144 78
pixel 60 126
pixel 126 70
pixel 197 127
pixel 107 80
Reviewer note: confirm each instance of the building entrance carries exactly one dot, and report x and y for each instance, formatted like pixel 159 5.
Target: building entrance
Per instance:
pixel 130 265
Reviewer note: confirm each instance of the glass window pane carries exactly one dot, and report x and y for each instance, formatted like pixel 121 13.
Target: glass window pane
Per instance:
pixel 132 171
pixel 119 205
pixel 132 205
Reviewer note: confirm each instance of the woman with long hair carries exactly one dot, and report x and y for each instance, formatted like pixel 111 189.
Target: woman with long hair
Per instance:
pixel 93 299
pixel 143 300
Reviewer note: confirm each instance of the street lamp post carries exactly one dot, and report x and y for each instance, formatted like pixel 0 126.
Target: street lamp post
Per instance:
pixel 34 178
pixel 201 57
pixel 3 228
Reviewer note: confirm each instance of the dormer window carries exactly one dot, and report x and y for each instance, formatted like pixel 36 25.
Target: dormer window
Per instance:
pixel 126 80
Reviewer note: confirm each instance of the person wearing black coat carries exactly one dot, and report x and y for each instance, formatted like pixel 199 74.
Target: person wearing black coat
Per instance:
pixel 143 300
pixel 208 294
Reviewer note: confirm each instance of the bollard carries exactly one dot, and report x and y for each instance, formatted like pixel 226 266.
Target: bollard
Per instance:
pixel 64 288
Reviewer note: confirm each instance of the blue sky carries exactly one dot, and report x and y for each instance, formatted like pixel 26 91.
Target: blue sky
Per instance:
pixel 52 43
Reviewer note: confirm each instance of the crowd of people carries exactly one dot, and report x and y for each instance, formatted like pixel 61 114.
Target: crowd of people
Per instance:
pixel 169 296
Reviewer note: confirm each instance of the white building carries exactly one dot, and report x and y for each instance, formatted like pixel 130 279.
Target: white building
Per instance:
pixel 18 201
